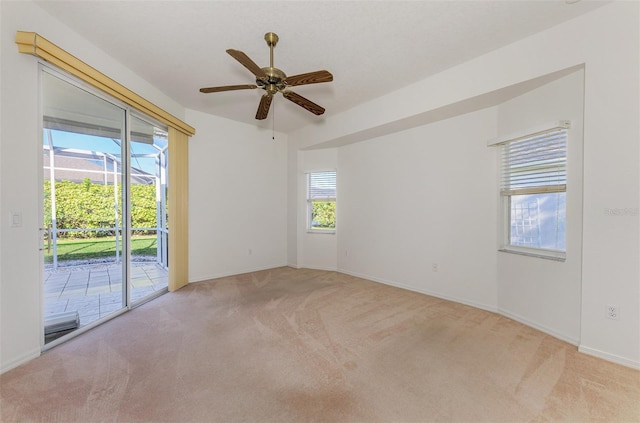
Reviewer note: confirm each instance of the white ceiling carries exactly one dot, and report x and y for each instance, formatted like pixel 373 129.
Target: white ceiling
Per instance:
pixel 370 47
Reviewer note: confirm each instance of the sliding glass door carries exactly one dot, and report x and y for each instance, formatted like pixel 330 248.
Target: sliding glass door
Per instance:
pixel 148 207
pixel 104 206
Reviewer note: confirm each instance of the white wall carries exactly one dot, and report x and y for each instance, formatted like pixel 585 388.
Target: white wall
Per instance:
pixel 541 292
pixel 611 241
pixel 2 215
pixel 318 251
pixel 421 197
pixel 20 152
pixel 237 198
pixel 607 42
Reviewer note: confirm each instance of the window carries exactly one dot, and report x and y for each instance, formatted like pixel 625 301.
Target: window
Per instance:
pixel 321 202
pixel 533 190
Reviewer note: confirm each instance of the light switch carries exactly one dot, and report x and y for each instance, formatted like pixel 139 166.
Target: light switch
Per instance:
pixel 16 219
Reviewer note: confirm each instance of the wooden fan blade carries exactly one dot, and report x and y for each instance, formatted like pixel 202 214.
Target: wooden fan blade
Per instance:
pixel 227 88
pixel 309 78
pixel 263 107
pixel 303 102
pixel 247 63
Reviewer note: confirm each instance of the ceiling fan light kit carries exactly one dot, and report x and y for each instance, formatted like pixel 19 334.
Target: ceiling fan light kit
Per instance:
pixel 273 80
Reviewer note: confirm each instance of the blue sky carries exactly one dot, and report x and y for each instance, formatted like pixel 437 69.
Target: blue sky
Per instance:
pixel 105 145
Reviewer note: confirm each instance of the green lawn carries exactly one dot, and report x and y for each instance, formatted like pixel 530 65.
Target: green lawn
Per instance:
pixel 99 248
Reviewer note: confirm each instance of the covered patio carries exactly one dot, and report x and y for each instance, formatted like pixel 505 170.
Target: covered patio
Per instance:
pixel 96 290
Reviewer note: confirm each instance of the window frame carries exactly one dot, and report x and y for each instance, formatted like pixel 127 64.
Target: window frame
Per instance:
pixel 507 194
pixel 310 200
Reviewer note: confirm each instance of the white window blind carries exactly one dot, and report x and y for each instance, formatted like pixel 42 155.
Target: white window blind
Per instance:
pixel 535 164
pixel 322 185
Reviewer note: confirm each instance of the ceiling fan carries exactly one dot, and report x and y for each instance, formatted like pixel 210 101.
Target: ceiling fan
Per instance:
pixel 273 81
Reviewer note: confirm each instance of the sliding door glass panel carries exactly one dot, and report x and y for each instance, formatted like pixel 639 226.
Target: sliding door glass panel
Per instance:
pixel 148 208
pixel 83 199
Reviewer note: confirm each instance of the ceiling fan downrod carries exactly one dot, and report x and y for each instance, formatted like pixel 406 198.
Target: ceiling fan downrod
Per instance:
pixel 274 80
pixel 272 39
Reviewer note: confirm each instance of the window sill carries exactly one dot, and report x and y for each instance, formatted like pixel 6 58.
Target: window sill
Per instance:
pixel 309 231
pixel 534 252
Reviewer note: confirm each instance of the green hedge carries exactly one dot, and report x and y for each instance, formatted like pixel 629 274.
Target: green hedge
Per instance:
pixel 88 205
pixel 324 215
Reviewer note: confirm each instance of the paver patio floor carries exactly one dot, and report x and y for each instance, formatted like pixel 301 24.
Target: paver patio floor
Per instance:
pixel 96 290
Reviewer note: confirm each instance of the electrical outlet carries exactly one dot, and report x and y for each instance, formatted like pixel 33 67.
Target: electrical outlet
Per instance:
pixel 16 219
pixel 434 267
pixel 613 312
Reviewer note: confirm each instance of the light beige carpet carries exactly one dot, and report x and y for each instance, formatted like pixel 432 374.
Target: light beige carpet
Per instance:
pixel 289 345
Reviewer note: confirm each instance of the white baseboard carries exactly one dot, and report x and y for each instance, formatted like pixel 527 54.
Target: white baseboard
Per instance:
pixel 20 360
pixel 610 357
pixel 327 269
pixel 422 291
pixel 573 341
pixel 475 304
pixel 541 328
pixel 234 273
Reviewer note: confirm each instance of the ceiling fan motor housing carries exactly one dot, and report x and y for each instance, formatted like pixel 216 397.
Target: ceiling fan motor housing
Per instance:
pixel 274 81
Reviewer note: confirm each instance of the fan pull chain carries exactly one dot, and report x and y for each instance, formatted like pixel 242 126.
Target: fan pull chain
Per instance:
pixel 273 123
